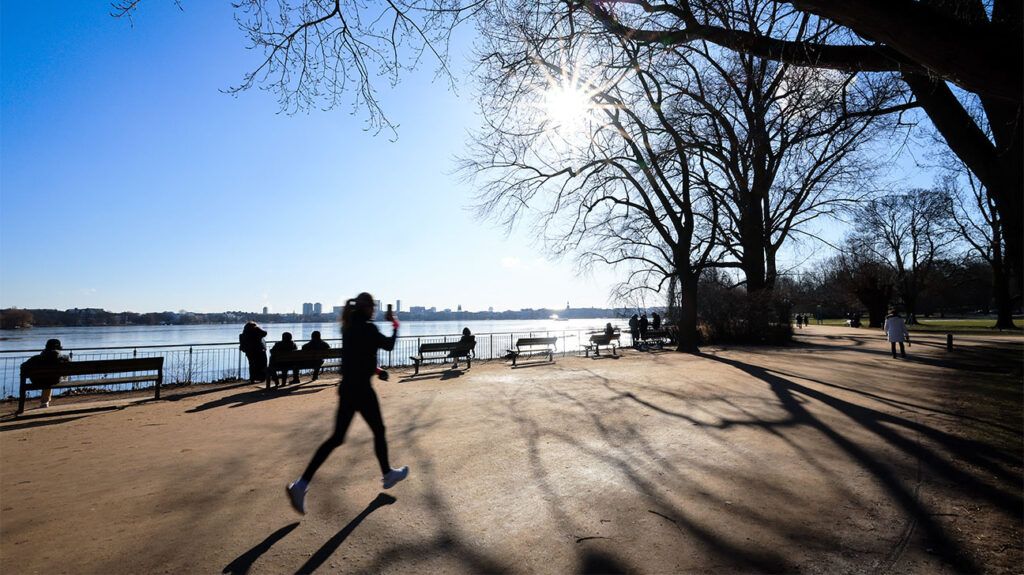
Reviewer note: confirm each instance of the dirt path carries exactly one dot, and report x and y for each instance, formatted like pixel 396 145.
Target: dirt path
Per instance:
pixel 824 457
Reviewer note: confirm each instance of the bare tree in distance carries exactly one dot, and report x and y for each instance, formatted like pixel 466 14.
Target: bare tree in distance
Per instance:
pixel 865 276
pixel 329 53
pixel 909 231
pixel 949 54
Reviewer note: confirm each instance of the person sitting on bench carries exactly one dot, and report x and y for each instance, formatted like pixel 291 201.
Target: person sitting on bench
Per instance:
pixel 286 344
pixel 316 344
pixel 609 330
pixel 48 357
pixel 466 341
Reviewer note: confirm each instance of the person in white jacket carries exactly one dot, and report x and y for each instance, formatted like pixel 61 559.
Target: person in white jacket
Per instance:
pixel 896 332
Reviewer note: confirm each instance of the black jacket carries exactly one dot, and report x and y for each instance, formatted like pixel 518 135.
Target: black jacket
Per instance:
pixel 315 345
pixel 360 342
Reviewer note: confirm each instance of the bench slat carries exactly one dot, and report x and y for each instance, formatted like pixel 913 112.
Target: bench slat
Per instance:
pixel 92 382
pixel 97 366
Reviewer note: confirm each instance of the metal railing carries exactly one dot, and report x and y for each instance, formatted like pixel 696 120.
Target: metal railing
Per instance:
pixel 186 364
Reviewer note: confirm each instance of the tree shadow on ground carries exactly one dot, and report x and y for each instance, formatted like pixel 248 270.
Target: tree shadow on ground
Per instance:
pixel 258 395
pixel 1006 498
pixel 449 541
pixel 331 545
pixel 241 564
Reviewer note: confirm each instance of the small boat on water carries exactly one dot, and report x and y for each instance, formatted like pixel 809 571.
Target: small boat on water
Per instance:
pixel 554 317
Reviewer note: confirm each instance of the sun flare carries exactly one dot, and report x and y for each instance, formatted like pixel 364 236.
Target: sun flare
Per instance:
pixel 567 105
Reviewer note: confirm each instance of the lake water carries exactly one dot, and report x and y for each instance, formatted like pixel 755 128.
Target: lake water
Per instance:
pixel 74 338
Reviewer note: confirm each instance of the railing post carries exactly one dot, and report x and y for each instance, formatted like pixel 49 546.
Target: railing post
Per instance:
pixel 492 346
pixel 190 365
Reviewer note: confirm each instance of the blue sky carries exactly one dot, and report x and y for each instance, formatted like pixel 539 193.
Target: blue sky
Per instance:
pixel 128 181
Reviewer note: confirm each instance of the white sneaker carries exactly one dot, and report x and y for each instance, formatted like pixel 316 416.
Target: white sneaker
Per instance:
pixel 394 476
pixel 47 403
pixel 297 495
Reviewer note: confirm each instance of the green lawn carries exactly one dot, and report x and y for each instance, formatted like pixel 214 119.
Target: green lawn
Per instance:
pixel 983 324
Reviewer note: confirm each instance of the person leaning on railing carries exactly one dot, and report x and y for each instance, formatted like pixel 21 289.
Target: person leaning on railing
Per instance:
pixel 47 358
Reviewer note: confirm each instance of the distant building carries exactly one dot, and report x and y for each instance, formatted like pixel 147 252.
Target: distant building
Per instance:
pixel 376 302
pixel 460 307
pixel 307 309
pixel 417 309
pixel 337 309
pixel 446 310
pixel 318 308
pixel 490 310
pixel 398 305
pixel 265 310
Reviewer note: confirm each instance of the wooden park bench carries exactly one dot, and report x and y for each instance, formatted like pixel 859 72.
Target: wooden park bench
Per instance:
pixel 444 351
pixel 305 359
pixel 658 337
pixel 92 367
pixel 533 346
pixel 599 339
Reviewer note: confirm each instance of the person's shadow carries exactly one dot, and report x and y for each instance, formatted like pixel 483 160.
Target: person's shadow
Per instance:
pixel 332 544
pixel 242 563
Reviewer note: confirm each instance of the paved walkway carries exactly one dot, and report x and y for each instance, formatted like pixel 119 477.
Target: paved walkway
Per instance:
pixel 824 457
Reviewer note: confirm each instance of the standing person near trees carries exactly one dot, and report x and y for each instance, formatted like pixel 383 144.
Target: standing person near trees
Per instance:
pixel 250 341
pixel 360 341
pixel 634 330
pixel 655 321
pixel 896 332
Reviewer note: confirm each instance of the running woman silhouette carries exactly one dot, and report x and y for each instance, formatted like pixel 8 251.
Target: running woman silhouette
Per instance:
pixel 360 341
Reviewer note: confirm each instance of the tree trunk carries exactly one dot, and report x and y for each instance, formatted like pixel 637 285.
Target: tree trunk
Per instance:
pixel 1001 292
pixel 688 313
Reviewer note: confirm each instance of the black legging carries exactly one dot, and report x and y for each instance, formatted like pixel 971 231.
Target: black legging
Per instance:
pixel 354 398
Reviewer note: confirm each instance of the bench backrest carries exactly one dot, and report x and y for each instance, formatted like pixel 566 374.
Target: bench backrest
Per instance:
pixel 536 341
pixel 309 354
pixel 438 347
pixel 448 346
pixel 604 338
pixel 95 366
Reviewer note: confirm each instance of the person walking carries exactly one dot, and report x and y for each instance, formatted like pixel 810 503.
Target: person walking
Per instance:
pixel 896 332
pixel 250 341
pixel 316 343
pixel 360 341
pixel 655 321
pixel 49 357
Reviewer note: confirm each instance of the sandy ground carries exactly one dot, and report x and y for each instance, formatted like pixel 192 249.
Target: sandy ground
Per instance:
pixel 824 457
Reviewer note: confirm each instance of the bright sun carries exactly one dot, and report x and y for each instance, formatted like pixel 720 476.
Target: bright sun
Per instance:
pixel 566 105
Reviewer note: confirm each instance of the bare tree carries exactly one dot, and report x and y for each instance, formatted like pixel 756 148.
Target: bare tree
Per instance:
pixel 788 143
pixel 974 216
pixel 607 178
pixel 949 53
pixel 865 276
pixel 908 231
pixel 328 53
pixel 689 159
